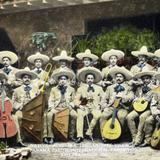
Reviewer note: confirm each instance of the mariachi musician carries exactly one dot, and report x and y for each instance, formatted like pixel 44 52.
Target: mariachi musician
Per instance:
pixel 7 58
pixel 120 89
pixel 23 95
pixel 111 57
pixel 88 100
pixel 144 91
pixel 61 97
pixel 154 117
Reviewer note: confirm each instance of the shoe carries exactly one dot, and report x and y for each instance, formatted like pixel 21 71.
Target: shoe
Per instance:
pixel 89 137
pixel 73 139
pixel 20 144
pixel 79 140
pixel 51 141
pixel 104 140
pixel 45 140
pixel 144 145
pixel 136 144
pixel 131 143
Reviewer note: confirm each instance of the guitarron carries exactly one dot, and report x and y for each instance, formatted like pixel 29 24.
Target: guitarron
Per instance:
pixel 112 128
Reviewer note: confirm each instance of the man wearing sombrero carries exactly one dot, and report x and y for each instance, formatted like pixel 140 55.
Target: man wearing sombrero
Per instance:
pixel 111 57
pixel 63 61
pixel 7 58
pixel 61 97
pixel 120 89
pixel 38 60
pixel 87 57
pixel 22 95
pixel 143 55
pixel 154 117
pixel 156 58
pixel 145 91
pixel 88 100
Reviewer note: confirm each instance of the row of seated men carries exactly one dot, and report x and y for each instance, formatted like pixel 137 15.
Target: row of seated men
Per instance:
pixel 128 85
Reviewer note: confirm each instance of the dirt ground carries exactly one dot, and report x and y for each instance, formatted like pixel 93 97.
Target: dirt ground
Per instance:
pixel 88 150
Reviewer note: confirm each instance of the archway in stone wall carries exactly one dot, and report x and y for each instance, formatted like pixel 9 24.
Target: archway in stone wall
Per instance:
pixel 6 43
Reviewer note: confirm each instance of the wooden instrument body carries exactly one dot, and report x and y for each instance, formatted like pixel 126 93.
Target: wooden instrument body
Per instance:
pixel 112 128
pixel 7 125
pixel 140 104
pixel 155 140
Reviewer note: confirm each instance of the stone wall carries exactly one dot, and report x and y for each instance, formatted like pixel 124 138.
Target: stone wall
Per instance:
pixel 69 21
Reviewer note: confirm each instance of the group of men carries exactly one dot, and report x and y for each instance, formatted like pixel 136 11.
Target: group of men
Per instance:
pixel 94 94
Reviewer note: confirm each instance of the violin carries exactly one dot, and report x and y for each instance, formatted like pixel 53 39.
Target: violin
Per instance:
pixel 7 125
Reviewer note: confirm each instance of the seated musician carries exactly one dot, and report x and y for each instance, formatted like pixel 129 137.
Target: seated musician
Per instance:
pixel 61 97
pixel 154 117
pixel 145 91
pixel 22 95
pixel 88 100
pixel 120 89
pixel 111 57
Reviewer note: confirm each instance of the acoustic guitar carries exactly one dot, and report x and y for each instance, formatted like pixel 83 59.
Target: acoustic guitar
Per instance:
pixel 155 140
pixel 140 104
pixel 112 128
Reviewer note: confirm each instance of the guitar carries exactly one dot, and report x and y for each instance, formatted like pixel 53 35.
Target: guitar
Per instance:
pixel 155 140
pixel 112 127
pixel 140 104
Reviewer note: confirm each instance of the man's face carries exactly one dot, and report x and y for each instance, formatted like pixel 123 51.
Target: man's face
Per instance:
pixel 63 80
pixel 63 63
pixel 38 63
pixel 90 79
pixel 26 79
pixel 146 79
pixel 6 61
pixel 113 60
pixel 87 61
pixel 119 78
pixel 142 58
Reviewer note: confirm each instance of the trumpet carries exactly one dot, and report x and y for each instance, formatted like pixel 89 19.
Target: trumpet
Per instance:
pixel 44 78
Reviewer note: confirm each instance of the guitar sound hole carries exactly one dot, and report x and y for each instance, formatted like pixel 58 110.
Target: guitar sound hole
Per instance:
pixel 143 102
pixel 112 126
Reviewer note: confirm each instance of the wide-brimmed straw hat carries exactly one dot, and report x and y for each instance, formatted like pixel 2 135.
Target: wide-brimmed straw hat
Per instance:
pixel 143 51
pixel 106 55
pixel 87 54
pixel 26 71
pixel 63 72
pixel 63 56
pixel 3 75
pixel 122 70
pixel 81 75
pixel 145 73
pixel 157 53
pixel 38 55
pixel 12 56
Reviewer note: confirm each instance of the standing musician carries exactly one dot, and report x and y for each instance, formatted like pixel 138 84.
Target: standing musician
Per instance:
pixel 61 97
pixel 22 95
pixel 111 57
pixel 7 58
pixel 154 117
pixel 144 91
pixel 87 57
pixel 120 89
pixel 88 100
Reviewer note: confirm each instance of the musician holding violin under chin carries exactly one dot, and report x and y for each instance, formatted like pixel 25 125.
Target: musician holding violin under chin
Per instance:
pixel 141 105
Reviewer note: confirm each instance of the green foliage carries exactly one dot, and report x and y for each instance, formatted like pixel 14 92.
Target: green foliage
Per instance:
pixel 126 38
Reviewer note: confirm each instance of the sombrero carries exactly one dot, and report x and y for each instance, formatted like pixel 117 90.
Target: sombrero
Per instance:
pixel 145 73
pixel 81 75
pixel 63 56
pixel 143 51
pixel 26 71
pixel 157 53
pixel 122 70
pixel 106 55
pixel 12 56
pixel 87 54
pixel 63 72
pixel 38 55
